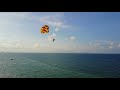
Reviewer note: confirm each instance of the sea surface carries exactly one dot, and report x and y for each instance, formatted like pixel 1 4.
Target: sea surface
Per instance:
pixel 59 65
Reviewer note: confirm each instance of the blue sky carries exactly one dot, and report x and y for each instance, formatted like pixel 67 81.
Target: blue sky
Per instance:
pixel 76 32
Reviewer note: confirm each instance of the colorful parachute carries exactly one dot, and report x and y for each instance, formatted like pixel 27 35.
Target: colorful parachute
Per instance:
pixel 44 29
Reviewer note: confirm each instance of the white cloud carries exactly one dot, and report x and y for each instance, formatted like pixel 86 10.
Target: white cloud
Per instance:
pixel 110 47
pixel 36 45
pixel 72 38
pixel 19 46
pixel 111 43
pixel 97 44
pixel 14 16
pixel 56 19
pixel 54 35
pixel 103 44
pixel 90 44
pixel 48 46
pixel 12 44
pixel 57 29
pixel 118 45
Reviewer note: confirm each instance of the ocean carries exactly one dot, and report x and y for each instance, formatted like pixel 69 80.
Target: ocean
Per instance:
pixel 59 65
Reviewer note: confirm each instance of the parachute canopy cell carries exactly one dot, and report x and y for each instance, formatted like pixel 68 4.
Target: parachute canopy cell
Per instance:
pixel 44 29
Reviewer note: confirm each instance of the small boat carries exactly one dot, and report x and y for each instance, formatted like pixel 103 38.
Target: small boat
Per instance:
pixel 11 59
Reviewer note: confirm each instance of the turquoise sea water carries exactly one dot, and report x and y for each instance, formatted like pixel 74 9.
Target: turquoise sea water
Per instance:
pixel 59 65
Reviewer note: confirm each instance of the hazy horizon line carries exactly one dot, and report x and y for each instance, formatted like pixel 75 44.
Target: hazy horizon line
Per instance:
pixel 61 52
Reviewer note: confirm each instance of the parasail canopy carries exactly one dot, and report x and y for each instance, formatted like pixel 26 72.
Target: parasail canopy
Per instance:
pixel 44 29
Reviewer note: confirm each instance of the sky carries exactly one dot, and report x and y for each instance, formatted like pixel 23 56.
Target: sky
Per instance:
pixel 74 32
